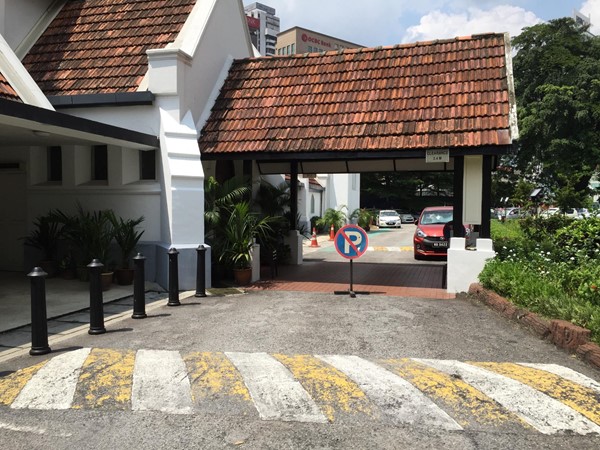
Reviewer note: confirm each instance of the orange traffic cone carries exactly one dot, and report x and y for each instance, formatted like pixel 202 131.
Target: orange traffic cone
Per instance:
pixel 331 233
pixel 314 242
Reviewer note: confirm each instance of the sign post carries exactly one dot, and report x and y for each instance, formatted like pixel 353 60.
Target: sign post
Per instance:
pixel 351 242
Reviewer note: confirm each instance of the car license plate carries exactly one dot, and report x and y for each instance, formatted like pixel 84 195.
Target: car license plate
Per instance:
pixel 440 244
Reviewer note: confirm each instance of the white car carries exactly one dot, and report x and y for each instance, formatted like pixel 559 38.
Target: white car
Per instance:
pixel 389 218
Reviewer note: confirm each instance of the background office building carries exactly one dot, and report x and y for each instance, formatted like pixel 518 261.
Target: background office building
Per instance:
pixel 263 26
pixel 301 40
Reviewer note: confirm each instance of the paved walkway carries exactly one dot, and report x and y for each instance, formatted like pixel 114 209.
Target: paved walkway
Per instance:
pixel 317 275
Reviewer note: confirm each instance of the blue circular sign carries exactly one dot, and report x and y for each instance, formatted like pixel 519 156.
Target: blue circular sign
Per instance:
pixel 351 241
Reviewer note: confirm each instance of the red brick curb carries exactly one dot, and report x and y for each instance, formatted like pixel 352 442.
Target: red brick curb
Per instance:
pixel 563 334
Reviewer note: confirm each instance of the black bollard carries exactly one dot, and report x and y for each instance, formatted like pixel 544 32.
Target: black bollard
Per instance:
pixel 139 288
pixel 173 278
pixel 96 300
pixel 201 272
pixel 39 322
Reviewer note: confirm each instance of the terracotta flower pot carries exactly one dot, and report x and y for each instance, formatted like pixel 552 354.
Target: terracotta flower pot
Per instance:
pixel 124 277
pixel 106 279
pixel 242 277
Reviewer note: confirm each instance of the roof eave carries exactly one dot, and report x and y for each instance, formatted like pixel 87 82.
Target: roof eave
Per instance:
pixel 33 118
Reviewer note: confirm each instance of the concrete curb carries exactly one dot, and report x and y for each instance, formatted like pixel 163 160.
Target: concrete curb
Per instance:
pixel 54 339
pixel 562 333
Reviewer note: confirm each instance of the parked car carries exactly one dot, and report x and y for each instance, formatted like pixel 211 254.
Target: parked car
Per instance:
pixel 429 239
pixel 513 213
pixel 583 213
pixel 572 213
pixel 549 212
pixel 389 218
pixel 406 217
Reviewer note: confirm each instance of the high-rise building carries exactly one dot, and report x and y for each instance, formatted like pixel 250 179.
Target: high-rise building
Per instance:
pixel 264 27
pixel 302 40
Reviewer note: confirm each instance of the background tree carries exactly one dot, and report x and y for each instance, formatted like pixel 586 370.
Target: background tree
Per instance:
pixel 557 83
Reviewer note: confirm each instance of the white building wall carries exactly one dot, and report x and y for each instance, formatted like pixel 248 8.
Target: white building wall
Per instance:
pixel 342 191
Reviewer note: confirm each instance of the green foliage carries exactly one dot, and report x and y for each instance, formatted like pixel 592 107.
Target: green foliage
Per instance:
pixel 557 73
pixel 241 229
pixel 580 239
pixel 45 236
pixel 550 266
pixel 217 199
pixel 91 232
pixel 333 216
pixel 126 236
pixel 363 218
pixel 538 228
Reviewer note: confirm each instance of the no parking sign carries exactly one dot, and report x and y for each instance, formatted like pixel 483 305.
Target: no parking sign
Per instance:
pixel 351 241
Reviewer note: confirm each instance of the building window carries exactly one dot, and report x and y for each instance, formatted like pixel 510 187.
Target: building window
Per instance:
pixel 54 164
pixel 310 49
pixel 293 48
pixel 312 204
pixel 100 163
pixel 148 165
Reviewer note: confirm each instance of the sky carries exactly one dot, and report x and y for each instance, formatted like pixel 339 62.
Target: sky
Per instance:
pixel 387 22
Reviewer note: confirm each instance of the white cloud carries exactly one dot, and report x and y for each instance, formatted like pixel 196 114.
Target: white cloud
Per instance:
pixel 441 25
pixel 591 8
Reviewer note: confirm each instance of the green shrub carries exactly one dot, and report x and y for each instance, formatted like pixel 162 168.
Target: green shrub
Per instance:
pixel 580 239
pixel 556 277
pixel 540 228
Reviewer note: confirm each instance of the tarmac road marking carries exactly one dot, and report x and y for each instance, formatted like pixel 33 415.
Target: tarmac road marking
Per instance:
pixel 53 386
pixel 276 394
pixel 547 415
pixel 11 385
pixel 396 397
pixel 467 403
pixel 582 399
pixel 566 373
pixel 106 379
pixel 160 383
pixel 212 374
pixel 331 389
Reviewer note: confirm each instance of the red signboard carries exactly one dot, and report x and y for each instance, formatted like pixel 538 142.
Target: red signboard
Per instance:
pixel 314 40
pixel 253 22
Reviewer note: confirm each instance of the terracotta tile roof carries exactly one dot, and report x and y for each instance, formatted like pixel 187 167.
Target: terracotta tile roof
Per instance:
pixel 99 46
pixel 7 91
pixel 441 94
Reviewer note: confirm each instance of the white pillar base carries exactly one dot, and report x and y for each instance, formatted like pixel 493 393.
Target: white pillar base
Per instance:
pixel 464 266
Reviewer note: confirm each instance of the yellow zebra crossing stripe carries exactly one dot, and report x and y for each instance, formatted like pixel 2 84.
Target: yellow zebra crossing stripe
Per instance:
pixel 105 380
pixel 213 375
pixel 584 400
pixel 467 403
pixel 333 391
pixel 11 385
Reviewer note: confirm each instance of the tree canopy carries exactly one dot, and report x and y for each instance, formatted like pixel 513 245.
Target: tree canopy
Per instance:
pixel 557 84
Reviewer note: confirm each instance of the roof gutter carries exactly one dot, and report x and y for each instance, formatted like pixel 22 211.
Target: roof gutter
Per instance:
pixel 95 100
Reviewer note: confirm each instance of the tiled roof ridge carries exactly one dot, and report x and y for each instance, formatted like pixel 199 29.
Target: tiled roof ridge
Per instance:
pixel 349 51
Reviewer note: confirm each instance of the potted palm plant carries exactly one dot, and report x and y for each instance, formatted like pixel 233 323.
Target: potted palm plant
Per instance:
pixel 241 230
pixel 126 237
pixel 45 237
pixel 91 232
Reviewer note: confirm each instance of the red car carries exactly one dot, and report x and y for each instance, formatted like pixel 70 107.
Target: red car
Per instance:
pixel 429 240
